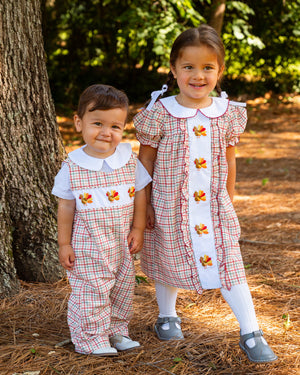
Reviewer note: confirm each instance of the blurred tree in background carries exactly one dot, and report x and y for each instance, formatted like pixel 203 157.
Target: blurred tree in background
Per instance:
pixel 125 42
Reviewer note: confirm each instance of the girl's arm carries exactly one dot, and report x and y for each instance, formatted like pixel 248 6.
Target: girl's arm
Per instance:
pixel 147 156
pixel 230 156
pixel 136 235
pixel 65 217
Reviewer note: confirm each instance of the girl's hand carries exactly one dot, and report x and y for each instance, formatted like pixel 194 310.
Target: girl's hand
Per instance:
pixel 66 256
pixel 150 216
pixel 135 240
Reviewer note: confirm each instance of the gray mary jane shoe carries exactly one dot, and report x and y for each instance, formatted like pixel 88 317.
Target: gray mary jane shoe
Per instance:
pixel 173 333
pixel 261 352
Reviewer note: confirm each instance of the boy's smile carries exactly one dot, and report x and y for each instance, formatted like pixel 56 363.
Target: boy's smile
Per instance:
pixel 102 130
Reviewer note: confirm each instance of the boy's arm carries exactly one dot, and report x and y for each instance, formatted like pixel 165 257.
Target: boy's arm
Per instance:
pixel 230 156
pixel 65 218
pixel 147 156
pixel 136 235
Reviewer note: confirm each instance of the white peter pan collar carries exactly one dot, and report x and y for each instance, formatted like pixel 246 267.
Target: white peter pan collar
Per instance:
pixel 217 108
pixel 115 161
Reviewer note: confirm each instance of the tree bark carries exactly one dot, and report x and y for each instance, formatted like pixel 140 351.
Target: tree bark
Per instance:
pixel 217 15
pixel 30 151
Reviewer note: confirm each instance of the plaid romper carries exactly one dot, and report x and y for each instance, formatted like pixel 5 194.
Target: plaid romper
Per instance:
pixel 102 280
pixel 194 244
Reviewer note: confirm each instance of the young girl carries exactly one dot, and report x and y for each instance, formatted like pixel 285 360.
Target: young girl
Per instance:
pixel 101 220
pixel 187 145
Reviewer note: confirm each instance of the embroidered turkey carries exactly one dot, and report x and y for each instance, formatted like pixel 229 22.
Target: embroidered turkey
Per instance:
pixel 201 229
pixel 131 191
pixel 199 196
pixel 86 198
pixel 113 195
pixel 206 261
pixel 200 163
pixel 199 130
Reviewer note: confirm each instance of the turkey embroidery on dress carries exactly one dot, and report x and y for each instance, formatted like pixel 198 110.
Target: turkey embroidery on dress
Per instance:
pixel 200 163
pixel 201 229
pixel 131 191
pixel 206 261
pixel 86 198
pixel 199 196
pixel 113 195
pixel 199 130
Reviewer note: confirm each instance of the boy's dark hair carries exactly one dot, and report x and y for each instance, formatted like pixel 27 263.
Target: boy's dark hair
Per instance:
pixel 102 97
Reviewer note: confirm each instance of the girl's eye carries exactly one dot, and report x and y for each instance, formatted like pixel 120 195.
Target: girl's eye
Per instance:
pixel 116 127
pixel 208 68
pixel 188 67
pixel 97 123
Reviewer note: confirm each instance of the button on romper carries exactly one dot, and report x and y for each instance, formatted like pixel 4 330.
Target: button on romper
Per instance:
pixel 102 279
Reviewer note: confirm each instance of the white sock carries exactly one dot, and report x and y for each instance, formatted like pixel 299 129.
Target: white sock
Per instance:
pixel 240 300
pixel 166 299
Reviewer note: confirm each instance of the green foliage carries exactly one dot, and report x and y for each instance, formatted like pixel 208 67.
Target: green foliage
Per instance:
pixel 265 181
pixel 113 42
pixel 287 321
pixel 123 42
pixel 262 39
pixel 141 279
pixel 149 27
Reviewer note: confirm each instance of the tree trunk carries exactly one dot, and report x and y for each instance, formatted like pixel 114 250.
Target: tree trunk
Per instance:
pixel 217 15
pixel 30 151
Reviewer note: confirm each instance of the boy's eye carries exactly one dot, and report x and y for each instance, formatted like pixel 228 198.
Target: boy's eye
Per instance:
pixel 208 68
pixel 98 123
pixel 188 67
pixel 116 127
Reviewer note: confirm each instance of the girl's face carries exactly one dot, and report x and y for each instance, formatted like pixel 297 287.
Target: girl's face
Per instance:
pixel 102 130
pixel 197 71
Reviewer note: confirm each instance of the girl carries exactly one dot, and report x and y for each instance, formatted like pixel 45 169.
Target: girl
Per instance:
pixel 101 220
pixel 187 145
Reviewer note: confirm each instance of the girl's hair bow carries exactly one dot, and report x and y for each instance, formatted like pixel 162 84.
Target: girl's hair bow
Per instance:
pixel 155 95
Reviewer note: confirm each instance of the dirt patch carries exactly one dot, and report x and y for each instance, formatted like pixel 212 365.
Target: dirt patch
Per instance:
pixel 267 202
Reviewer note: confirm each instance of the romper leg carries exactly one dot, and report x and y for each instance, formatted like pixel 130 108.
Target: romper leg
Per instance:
pixel 122 298
pixel 89 308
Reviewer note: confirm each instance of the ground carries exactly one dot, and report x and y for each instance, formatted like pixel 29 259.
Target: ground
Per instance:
pixel 267 202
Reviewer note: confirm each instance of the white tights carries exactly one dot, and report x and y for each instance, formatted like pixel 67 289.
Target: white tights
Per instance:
pixel 238 298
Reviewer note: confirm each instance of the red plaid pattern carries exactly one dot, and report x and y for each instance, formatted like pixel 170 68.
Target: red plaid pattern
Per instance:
pixel 168 256
pixel 102 280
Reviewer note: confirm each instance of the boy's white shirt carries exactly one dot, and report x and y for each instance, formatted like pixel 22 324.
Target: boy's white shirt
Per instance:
pixel 115 161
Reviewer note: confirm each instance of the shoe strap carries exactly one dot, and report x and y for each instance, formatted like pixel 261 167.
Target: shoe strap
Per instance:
pixel 168 319
pixel 251 335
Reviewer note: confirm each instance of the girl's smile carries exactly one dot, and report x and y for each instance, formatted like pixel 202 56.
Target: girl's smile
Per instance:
pixel 197 72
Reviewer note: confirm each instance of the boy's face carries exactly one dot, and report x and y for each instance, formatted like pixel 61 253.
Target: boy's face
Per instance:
pixel 102 130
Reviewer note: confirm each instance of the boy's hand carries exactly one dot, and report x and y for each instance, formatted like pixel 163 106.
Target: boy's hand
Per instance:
pixel 150 216
pixel 66 256
pixel 135 240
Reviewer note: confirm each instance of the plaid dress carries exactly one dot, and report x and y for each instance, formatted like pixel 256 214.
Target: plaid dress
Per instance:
pixel 194 244
pixel 102 280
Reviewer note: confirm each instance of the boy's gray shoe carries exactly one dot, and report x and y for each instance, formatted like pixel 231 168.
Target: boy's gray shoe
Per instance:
pixel 261 352
pixel 174 331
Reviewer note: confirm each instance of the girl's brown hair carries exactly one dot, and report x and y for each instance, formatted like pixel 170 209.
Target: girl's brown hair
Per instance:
pixel 101 97
pixel 202 35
